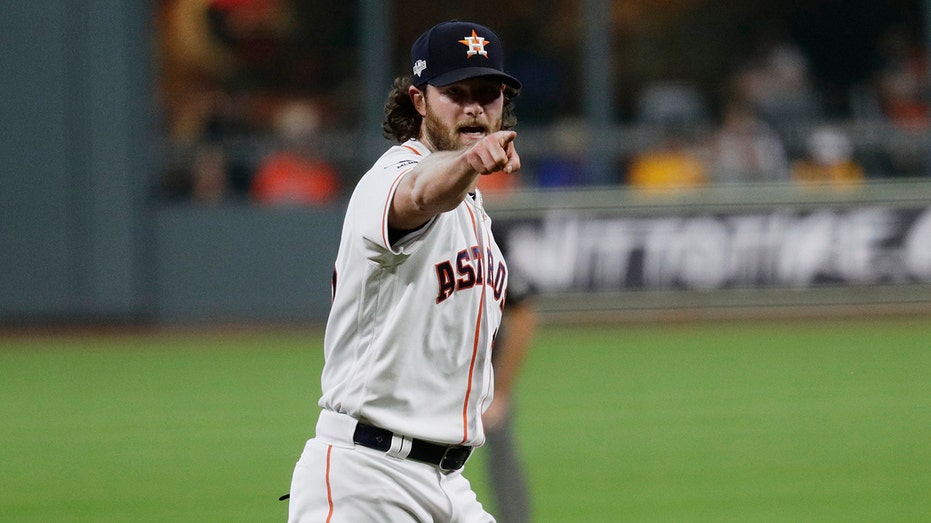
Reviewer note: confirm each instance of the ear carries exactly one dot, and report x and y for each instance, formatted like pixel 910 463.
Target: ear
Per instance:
pixel 419 99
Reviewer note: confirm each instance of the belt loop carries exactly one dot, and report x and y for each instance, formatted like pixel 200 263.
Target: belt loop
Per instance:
pixel 400 446
pixel 334 428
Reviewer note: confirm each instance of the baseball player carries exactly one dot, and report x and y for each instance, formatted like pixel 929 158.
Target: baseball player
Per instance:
pixel 418 293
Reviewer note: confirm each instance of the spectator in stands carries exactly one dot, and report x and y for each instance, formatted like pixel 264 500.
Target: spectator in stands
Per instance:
pixel 672 103
pixel 902 87
pixel 294 173
pixel 676 110
pixel 674 162
pixel 902 82
pixel 780 89
pixel 745 149
pixel 564 163
pixel 829 160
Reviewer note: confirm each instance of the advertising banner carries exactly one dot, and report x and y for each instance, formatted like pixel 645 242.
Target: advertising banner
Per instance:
pixel 575 251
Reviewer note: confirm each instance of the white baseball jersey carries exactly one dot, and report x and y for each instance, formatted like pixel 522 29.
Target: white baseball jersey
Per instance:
pixel 409 337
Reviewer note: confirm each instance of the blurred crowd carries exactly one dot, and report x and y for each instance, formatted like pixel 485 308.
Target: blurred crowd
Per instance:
pixel 255 93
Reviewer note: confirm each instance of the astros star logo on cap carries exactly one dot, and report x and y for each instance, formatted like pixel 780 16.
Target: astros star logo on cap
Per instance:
pixel 476 45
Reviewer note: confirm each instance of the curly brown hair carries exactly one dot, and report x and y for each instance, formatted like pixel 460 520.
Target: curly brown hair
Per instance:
pixel 402 121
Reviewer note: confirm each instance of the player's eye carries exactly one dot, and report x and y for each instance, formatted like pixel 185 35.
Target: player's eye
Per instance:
pixel 488 94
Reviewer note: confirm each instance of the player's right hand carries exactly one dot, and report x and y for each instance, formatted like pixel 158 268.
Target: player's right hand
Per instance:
pixel 494 153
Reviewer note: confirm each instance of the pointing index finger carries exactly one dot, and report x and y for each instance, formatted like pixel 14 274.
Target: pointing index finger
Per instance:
pixel 506 137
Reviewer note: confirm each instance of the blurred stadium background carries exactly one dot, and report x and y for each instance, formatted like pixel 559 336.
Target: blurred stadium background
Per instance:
pixel 152 148
pixel 176 164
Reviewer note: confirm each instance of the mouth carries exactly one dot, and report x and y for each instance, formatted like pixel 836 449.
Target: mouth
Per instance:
pixel 475 132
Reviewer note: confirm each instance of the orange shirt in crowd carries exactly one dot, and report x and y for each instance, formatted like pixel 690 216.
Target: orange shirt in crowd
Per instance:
pixel 288 178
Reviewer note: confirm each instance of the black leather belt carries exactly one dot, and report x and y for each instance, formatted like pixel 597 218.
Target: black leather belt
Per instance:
pixel 446 457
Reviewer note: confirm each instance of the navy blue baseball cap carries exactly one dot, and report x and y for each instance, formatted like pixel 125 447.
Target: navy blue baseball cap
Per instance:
pixel 453 51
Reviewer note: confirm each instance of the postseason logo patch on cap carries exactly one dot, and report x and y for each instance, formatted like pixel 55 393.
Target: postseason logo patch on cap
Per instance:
pixel 453 51
pixel 419 66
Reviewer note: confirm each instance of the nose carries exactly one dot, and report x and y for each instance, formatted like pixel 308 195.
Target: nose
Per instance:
pixel 472 107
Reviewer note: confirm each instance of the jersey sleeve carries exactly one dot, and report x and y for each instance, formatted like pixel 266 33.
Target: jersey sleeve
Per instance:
pixel 372 198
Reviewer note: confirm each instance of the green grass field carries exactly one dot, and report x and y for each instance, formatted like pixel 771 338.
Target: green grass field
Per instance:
pixel 745 422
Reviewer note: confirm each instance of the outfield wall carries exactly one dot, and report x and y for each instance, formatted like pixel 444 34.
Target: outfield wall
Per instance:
pixel 723 251
pixel 592 254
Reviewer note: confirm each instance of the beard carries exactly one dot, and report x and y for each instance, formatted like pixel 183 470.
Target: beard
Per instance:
pixel 450 138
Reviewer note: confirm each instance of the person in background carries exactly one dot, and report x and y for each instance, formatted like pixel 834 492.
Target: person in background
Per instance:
pixel 901 87
pixel 673 163
pixel 780 88
pixel 294 173
pixel 505 469
pixel 829 160
pixel 563 165
pixel 746 149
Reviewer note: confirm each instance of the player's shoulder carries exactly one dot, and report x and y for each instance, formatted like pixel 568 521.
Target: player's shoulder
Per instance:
pixel 408 153
pixel 393 163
